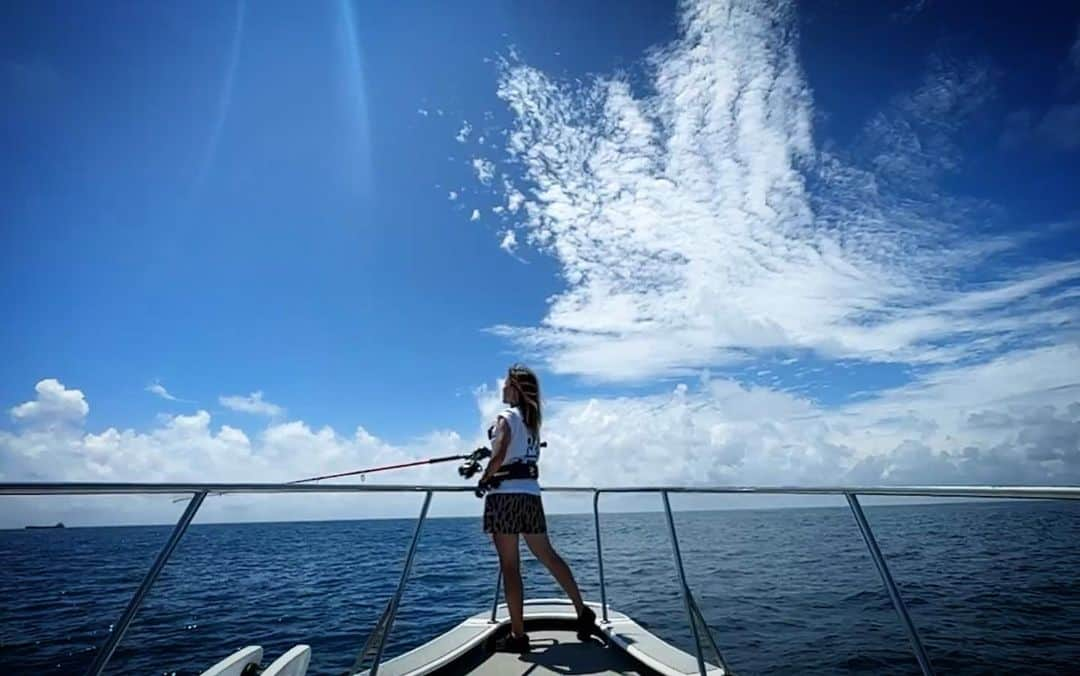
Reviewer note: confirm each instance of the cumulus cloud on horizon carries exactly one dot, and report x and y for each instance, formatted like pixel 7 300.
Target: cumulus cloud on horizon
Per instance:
pixel 53 404
pixel 51 442
pixel 1013 420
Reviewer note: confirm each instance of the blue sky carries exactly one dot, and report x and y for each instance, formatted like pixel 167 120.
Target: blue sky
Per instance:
pixel 747 238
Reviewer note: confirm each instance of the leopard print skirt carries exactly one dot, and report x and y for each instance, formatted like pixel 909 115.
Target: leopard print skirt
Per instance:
pixel 508 513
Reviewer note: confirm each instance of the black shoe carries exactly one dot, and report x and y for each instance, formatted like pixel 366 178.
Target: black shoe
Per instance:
pixel 586 624
pixel 512 644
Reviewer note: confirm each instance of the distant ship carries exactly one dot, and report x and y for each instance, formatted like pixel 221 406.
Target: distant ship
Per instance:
pixel 58 525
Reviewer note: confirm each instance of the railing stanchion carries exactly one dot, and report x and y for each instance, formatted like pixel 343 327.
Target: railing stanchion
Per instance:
pixel 406 569
pixel 599 555
pixel 120 628
pixel 712 641
pixel 890 586
pixel 682 583
pixel 495 598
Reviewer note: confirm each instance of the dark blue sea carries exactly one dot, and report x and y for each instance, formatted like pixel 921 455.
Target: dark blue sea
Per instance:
pixel 994 588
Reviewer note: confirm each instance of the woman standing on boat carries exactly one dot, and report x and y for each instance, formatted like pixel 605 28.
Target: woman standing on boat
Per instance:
pixel 514 507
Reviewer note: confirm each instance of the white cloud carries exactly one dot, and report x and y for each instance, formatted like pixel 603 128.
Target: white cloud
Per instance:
pixel 159 390
pixel 191 448
pixel 54 404
pixel 422 111
pixel 463 134
pixel 1014 419
pixel 252 403
pixel 485 170
pixel 509 242
pixel 701 223
pixel 453 195
pixel 514 201
pixel 991 423
pixel 475 215
pixel 514 197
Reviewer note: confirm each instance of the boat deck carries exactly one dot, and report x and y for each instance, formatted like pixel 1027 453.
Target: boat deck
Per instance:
pixel 559 652
pixel 621 646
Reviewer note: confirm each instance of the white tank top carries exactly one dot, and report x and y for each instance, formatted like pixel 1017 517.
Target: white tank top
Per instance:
pixel 524 447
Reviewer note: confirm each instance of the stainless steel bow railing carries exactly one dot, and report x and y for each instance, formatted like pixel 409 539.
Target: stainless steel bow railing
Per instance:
pixel 199 491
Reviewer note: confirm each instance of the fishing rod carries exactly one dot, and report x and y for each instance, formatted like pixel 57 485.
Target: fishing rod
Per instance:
pixel 467 470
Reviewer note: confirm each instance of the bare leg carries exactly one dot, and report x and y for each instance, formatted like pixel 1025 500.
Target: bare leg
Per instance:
pixel 507 547
pixel 546 554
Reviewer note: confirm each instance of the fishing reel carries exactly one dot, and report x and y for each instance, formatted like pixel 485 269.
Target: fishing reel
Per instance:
pixel 471 466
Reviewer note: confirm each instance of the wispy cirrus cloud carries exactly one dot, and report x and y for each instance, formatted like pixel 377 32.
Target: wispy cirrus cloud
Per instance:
pixel 224 101
pixel 157 389
pixel 252 403
pixel 701 222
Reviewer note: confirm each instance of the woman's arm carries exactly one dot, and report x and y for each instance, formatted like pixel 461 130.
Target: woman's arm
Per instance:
pixel 499 446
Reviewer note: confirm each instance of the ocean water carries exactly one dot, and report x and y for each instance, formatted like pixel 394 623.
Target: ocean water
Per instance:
pixel 994 587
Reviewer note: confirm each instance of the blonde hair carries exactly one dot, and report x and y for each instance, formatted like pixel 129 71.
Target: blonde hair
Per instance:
pixel 527 385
